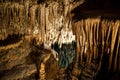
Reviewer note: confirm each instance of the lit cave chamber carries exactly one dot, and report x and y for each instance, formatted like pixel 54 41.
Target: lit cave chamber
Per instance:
pixel 59 40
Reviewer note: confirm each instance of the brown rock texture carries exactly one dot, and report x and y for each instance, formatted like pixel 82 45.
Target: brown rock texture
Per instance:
pixel 29 29
pixel 25 25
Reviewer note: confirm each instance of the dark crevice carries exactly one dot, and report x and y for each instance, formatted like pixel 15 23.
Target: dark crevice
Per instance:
pixel 94 8
pixel 40 1
pixel 66 53
pixel 11 39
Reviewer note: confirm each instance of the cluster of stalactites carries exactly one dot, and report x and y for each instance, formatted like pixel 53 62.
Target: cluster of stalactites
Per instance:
pixel 66 35
pixel 46 22
pixel 58 27
pixel 97 37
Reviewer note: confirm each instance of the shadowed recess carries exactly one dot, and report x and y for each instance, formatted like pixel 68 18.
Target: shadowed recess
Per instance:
pixel 93 8
pixel 66 53
pixel 11 39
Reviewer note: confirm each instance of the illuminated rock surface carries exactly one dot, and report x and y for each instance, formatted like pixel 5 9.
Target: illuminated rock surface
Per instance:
pixel 44 40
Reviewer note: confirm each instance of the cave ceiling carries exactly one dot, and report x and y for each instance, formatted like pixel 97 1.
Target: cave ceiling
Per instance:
pixel 59 39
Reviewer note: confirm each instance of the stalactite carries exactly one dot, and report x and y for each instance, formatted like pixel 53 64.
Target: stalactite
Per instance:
pixel 108 36
pixel 55 10
pixel 34 23
pixel 47 20
pixel 27 4
pixel 87 24
pixel 114 35
pixel 103 35
pixel 91 43
pixel 119 51
pixel 78 47
pixel 95 51
pixel 43 20
pixel 82 40
pixel 116 56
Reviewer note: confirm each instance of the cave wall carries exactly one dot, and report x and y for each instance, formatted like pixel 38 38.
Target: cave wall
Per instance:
pixel 28 31
pixel 42 40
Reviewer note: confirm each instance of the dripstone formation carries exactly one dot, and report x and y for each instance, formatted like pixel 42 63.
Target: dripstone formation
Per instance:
pixel 59 40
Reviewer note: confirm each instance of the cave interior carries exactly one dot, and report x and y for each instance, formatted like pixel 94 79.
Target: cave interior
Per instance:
pixel 23 56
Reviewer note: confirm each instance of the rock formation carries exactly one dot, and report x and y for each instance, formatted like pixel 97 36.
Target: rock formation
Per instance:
pixel 57 40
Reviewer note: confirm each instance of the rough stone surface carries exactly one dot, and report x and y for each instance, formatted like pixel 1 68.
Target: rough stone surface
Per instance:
pixel 30 29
